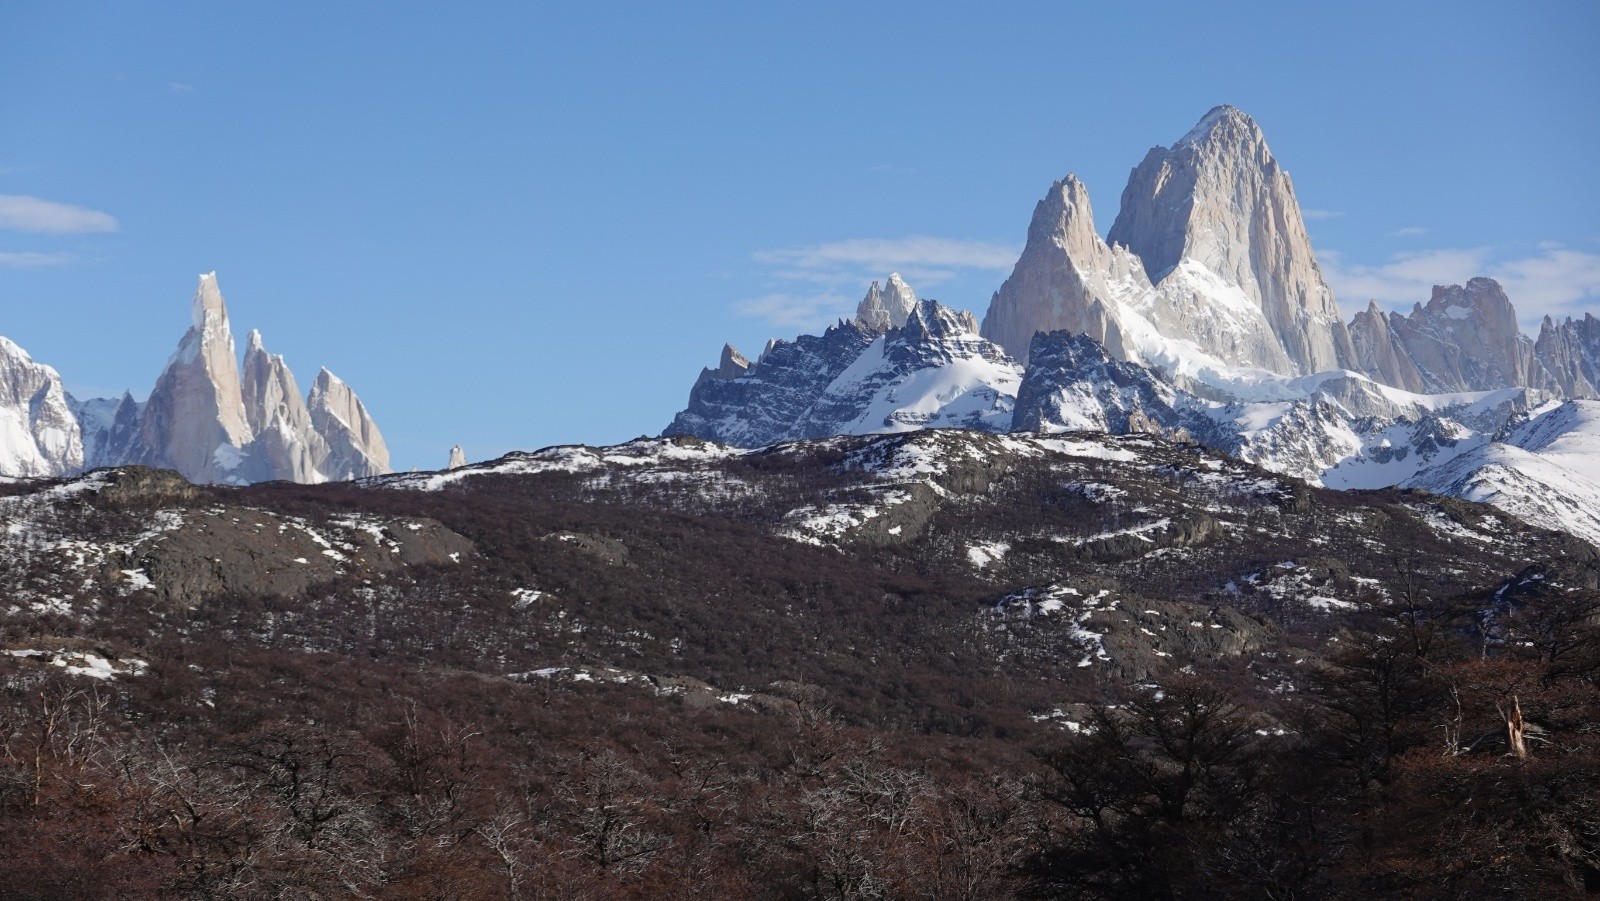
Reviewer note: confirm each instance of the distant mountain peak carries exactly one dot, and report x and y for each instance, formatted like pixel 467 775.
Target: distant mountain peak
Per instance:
pixel 206 417
pixel 886 307
pixel 1218 123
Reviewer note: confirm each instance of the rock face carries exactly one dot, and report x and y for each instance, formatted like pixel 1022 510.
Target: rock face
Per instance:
pixel 1570 354
pixel 770 401
pixel 1219 198
pixel 39 436
pixel 1208 265
pixel 110 427
pixel 355 446
pixel 285 445
pixel 1380 353
pixel 886 308
pixel 205 418
pixel 935 371
pixel 1067 278
pixel 1073 384
pixel 194 421
pixel 932 370
pixel 1465 339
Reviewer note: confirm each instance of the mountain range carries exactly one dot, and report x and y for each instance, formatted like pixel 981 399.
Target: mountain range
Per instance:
pixel 206 418
pixel 1202 315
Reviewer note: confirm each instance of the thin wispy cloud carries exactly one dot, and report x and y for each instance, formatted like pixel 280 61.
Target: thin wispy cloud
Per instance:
pixel 1557 281
pixel 28 259
pixel 801 312
pixel 818 283
pixel 178 87
pixel 896 253
pixel 1409 231
pixel 18 212
pixel 1321 214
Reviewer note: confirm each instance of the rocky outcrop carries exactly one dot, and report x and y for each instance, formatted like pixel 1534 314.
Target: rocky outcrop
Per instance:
pixel 1379 352
pixel 933 371
pixel 1464 339
pixel 39 436
pixel 194 421
pixel 1570 354
pixel 356 448
pixel 1219 198
pixel 1066 279
pixel 110 427
pixel 769 402
pixel 888 307
pixel 214 423
pixel 285 446
pixel 1073 384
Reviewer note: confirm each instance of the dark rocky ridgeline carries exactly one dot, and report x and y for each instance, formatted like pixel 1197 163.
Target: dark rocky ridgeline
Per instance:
pixel 753 404
pixel 936 664
pixel 1073 384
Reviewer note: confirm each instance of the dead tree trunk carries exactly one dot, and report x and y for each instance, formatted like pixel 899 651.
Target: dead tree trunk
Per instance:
pixel 1516 730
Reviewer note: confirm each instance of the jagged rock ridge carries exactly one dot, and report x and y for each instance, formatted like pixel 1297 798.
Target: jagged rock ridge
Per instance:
pixel 205 418
pixel 1204 317
pixel 1208 265
pixel 859 377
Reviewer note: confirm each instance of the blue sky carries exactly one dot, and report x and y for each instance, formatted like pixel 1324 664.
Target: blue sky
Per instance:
pixel 512 225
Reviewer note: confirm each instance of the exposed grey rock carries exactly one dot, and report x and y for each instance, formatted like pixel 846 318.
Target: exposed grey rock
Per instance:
pixel 110 427
pixel 1074 385
pixel 39 435
pixel 933 371
pixel 888 307
pixel 1379 353
pixel 1570 354
pixel 768 402
pixel 285 445
pixel 1465 339
pixel 232 551
pixel 194 421
pixel 733 364
pixel 356 448
pixel 1219 198
pixel 1067 278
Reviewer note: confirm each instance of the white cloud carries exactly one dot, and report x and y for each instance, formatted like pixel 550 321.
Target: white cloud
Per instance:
pixel 1557 281
pixel 27 259
pixel 1409 231
pixel 807 313
pixel 817 283
pixel 1321 214
pixel 177 87
pixel 884 254
pixel 31 214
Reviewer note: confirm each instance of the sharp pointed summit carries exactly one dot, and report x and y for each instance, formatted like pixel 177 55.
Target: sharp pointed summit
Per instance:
pixel 355 446
pixel 195 420
pixel 1067 278
pixel 887 307
pixel 285 445
pixel 206 418
pixel 1217 197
